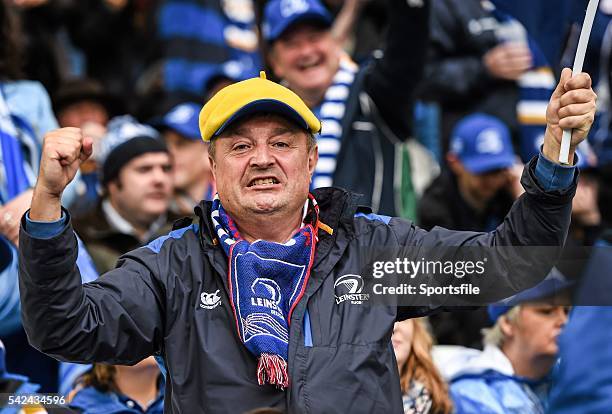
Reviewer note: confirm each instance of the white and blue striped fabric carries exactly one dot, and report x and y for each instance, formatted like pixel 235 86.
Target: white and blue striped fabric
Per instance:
pixel 330 112
pixel 19 154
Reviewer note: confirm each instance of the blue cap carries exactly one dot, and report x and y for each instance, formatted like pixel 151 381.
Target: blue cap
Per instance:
pixel 183 119
pixel 554 283
pixel 482 144
pixel 280 14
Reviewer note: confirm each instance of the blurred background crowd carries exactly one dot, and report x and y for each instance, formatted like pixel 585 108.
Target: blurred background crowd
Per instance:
pixel 430 109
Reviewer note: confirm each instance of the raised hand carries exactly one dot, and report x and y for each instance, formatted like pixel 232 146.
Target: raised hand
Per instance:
pixel 64 150
pixel 572 106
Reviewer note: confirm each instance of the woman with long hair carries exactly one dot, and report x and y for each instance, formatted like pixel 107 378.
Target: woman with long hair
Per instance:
pixel 120 389
pixel 423 388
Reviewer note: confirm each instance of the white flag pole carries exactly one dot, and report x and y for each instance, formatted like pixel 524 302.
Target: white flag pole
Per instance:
pixel 583 41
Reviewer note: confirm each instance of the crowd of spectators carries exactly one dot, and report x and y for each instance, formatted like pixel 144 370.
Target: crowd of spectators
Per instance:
pixel 429 109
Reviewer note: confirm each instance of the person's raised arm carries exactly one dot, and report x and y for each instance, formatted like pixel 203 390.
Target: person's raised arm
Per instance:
pixel 540 217
pixel 394 77
pixel 455 71
pixel 572 106
pixel 115 319
pixel 344 24
pixel 64 150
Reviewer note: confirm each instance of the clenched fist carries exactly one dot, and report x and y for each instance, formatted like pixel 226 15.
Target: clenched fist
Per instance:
pixel 572 106
pixel 64 150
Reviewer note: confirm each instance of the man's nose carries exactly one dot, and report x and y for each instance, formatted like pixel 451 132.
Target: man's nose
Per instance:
pixel 305 48
pixel 262 157
pixel 161 175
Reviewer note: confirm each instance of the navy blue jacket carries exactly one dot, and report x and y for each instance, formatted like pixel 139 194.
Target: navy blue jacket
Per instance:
pixel 340 354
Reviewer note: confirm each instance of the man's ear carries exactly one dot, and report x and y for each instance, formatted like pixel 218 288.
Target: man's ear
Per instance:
pixel 213 166
pixel 112 188
pixel 313 157
pixel 454 164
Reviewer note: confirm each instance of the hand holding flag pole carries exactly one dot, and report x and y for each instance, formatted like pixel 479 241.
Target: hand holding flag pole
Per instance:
pixel 577 68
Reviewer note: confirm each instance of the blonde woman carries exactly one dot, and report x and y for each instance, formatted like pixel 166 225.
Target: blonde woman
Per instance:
pixel 424 391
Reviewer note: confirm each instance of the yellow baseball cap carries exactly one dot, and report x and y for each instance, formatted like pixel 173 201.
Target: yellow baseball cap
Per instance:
pixel 251 96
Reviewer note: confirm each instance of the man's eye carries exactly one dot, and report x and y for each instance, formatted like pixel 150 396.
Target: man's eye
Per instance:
pixel 281 145
pixel 240 147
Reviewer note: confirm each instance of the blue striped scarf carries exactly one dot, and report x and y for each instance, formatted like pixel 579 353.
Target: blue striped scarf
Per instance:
pixel 266 281
pixel 330 112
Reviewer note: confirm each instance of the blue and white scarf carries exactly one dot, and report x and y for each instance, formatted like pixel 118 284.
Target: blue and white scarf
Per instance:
pixel 19 154
pixel 266 282
pixel 535 86
pixel 330 112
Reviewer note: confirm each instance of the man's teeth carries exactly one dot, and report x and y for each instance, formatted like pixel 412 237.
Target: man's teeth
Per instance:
pixel 309 65
pixel 264 181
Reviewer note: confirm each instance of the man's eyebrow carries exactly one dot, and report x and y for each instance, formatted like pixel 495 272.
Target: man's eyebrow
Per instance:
pixel 283 130
pixel 242 132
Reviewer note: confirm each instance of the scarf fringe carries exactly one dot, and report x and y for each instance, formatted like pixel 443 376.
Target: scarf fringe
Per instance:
pixel 272 369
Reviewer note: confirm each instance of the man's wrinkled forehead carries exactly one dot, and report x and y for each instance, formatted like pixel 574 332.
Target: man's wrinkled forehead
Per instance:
pixel 278 125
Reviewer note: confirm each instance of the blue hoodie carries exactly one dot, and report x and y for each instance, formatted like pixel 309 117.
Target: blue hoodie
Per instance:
pixel 91 401
pixel 484 383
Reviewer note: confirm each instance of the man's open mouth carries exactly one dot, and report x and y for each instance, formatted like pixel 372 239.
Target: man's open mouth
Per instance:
pixel 263 181
pixel 311 63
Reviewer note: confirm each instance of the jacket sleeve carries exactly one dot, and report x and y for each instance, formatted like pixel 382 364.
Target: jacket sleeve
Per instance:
pixel 537 219
pixel 115 319
pixel 393 79
pixel 454 71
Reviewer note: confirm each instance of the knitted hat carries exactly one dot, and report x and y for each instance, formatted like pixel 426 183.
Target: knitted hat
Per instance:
pixel 125 140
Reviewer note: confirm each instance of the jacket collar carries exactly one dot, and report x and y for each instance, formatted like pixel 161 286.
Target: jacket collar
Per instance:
pixel 105 222
pixel 120 225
